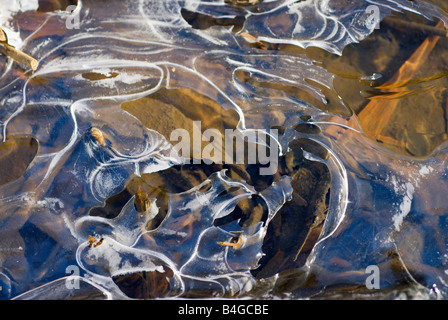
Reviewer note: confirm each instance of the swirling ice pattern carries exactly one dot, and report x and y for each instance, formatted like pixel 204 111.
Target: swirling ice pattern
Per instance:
pixel 139 48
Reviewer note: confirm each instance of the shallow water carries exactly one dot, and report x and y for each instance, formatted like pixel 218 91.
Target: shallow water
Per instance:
pixel 95 203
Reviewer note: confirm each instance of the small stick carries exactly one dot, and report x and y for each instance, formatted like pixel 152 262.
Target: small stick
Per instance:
pixel 19 56
pixel 93 242
pixel 235 245
pixel 2 35
pixel 243 2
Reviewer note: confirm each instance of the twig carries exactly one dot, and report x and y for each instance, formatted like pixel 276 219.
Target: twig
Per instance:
pixel 243 2
pixel 19 56
pixel 3 37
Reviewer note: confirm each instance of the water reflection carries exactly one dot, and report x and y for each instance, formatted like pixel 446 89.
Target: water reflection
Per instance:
pixel 91 181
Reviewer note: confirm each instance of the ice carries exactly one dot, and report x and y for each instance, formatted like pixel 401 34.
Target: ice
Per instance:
pixel 9 9
pixel 139 48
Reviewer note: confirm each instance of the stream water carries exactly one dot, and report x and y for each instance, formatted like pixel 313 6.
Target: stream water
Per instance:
pixel 351 95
